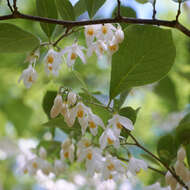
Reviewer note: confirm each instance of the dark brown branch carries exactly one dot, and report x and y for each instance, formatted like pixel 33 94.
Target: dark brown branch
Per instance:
pixel 154 10
pixel 172 24
pixel 149 167
pixel 9 5
pixel 118 9
pixel 158 159
pixel 178 11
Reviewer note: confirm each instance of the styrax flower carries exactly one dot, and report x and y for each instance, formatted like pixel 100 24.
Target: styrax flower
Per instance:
pixel 29 76
pixel 57 106
pixel 106 32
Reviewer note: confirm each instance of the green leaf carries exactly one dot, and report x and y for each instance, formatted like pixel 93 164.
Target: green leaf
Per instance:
pixel 141 58
pixel 65 9
pixel 47 8
pixel 80 7
pixel 15 40
pixel 167 91
pixel 93 6
pixel 167 148
pixel 48 102
pixel 186 119
pixel 187 148
pixel 183 133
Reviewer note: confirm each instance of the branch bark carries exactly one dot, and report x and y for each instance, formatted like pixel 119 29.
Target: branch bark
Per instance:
pixel 171 24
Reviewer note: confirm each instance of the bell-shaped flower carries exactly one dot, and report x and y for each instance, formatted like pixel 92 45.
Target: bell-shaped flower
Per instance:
pixel 59 167
pixel 82 145
pixel 93 159
pixel 73 52
pixel 29 76
pixel 33 57
pixel 67 151
pixel 118 122
pixel 113 46
pixel 52 62
pixel 135 165
pixel 99 47
pixel 109 137
pixel 90 33
pixel 57 106
pixel 119 34
pixel 93 122
pixel 106 32
pixel 112 165
pixel 71 98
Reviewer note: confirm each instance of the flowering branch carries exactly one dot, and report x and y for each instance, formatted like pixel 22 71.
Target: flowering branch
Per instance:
pixel 158 159
pixel 172 24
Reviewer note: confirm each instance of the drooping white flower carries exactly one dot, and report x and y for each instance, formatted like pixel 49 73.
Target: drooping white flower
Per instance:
pixel 113 46
pixel 59 167
pixel 135 165
pixel 181 154
pixel 71 98
pixel 29 76
pixel 73 52
pixel 119 34
pixel 106 32
pixel 109 137
pixel 112 167
pixel 90 33
pixel 57 106
pixel 42 153
pixel 33 57
pixel 82 145
pixel 170 180
pixel 118 122
pixel 93 159
pixel 52 62
pixel 67 151
pixel 93 122
pixel 99 47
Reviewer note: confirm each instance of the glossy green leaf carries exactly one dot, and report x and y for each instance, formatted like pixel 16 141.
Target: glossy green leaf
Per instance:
pixel 167 91
pixel 93 6
pixel 48 101
pixel 187 148
pixel 80 7
pixel 167 148
pixel 15 40
pixel 47 8
pixel 65 9
pixel 141 58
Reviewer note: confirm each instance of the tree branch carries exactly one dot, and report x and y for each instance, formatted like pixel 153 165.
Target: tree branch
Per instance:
pixel 172 24
pixel 158 159
pixel 9 5
pixel 179 10
pixel 118 9
pixel 154 10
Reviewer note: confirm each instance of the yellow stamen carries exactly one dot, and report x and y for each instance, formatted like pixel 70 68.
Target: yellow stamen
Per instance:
pixel 119 126
pixel 73 56
pixel 34 165
pixel 104 29
pixel 86 144
pixel 50 59
pixel 50 67
pixel 110 141
pixel 111 167
pixel 89 155
pixel 80 113
pixel 25 171
pixel 110 176
pixel 90 32
pixel 66 154
pixel 30 79
pixel 92 124
pixel 101 49
pixel 113 47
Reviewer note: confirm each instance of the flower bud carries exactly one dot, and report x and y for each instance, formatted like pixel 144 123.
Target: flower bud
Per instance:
pixel 42 153
pixel 58 101
pixel 181 154
pixel 71 98
pixel 170 180
pixel 59 167
pixel 54 111
pixel 179 168
pixel 119 34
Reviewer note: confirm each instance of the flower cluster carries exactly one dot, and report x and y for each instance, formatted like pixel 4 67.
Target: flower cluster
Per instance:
pixel 100 39
pixel 181 170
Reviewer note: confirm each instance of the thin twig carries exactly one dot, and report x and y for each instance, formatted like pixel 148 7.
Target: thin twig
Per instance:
pixel 118 9
pixel 154 10
pixel 178 11
pixel 149 167
pixel 15 6
pixel 172 24
pixel 158 159
pixel 9 5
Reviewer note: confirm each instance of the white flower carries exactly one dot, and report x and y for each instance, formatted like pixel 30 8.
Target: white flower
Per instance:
pixel 170 180
pixel 52 62
pixel 93 122
pixel 108 137
pixel 119 34
pixel 90 33
pixel 33 57
pixel 113 46
pixel 82 145
pixel 57 106
pixel 181 154
pixel 135 165
pixel 72 53
pixel 112 167
pixel 118 122
pixel 42 153
pixel 155 186
pixel 59 167
pixel 99 47
pixel 71 98
pixel 29 76
pixel 67 151
pixel 106 32
pixel 93 158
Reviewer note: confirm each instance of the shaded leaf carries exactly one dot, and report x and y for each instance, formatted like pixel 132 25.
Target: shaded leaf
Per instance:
pixel 80 7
